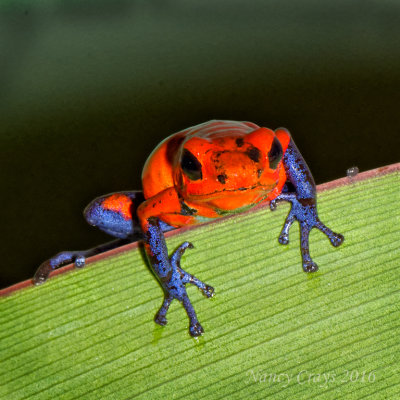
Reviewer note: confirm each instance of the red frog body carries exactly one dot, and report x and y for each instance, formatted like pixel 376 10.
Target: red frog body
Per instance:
pixel 208 171
pixel 212 170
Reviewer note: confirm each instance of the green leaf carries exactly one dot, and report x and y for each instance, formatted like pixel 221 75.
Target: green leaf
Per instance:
pixel 271 330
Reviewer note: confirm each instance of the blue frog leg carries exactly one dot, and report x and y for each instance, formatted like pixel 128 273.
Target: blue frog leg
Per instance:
pixel 300 191
pixel 111 221
pixel 171 276
pixel 77 257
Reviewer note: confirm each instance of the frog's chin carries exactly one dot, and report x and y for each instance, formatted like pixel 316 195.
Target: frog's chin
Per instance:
pixel 232 199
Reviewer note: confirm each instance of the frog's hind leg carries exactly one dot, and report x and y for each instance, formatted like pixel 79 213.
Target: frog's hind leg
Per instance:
pixel 77 257
pixel 113 213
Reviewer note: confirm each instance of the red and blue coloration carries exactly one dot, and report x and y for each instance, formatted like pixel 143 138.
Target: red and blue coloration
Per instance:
pixel 196 175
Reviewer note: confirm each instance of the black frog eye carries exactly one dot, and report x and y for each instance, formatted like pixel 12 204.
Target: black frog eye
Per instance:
pixel 275 154
pixel 191 166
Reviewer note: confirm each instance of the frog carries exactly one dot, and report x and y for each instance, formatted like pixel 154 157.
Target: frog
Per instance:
pixel 200 174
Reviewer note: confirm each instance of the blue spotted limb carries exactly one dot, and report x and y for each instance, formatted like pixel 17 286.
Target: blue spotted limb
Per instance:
pixel 78 258
pixel 171 276
pixel 111 213
pixel 300 191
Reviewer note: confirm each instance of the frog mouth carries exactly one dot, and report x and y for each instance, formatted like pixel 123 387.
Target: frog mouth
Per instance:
pixel 232 199
pixel 236 191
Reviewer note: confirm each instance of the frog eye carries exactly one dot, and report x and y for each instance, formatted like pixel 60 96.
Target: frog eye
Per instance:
pixel 191 166
pixel 275 154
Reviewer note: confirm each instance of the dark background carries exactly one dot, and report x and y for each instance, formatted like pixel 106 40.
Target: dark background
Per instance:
pixel 89 88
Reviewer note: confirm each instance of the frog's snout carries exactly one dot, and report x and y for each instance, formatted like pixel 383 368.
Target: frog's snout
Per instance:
pixel 241 169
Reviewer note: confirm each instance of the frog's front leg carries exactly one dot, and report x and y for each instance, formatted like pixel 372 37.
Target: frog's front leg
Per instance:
pixel 300 191
pixel 171 276
pixel 161 316
pixel 168 270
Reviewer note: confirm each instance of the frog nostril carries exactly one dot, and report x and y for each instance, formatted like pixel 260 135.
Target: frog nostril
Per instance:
pixel 239 142
pixel 222 178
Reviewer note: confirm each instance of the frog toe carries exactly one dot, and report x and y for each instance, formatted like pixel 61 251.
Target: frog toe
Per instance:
pixel 196 330
pixel 160 320
pixel 284 238
pixel 208 291
pixel 337 239
pixel 310 266
pixel 175 259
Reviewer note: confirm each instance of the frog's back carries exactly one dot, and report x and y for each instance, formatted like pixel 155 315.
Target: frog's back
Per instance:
pixel 219 128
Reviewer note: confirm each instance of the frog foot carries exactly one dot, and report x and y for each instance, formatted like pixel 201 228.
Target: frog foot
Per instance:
pixel 160 319
pixel 63 258
pixel 172 277
pixel 196 329
pixel 304 211
pixel 306 225
pixel 185 277
pixel 42 273
pixel 208 291
pixel 310 266
pixel 336 239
